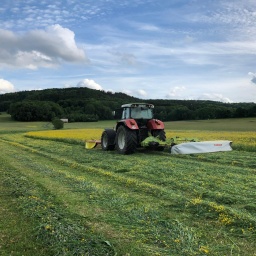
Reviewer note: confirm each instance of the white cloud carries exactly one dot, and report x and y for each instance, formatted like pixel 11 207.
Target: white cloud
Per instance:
pixel 128 92
pixel 142 93
pixel 253 80
pixel 135 93
pixel 89 84
pixel 39 48
pixel 62 44
pixel 145 26
pixel 6 86
pixel 175 92
pixel 214 97
pixel 68 86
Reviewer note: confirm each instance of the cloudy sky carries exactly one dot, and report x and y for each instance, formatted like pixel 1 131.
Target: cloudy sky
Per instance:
pixel 165 49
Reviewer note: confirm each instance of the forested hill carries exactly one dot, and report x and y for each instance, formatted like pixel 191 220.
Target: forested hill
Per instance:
pixel 67 96
pixel 84 104
pixel 76 104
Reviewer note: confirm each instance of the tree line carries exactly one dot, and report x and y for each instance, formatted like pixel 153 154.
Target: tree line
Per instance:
pixel 201 110
pixel 84 104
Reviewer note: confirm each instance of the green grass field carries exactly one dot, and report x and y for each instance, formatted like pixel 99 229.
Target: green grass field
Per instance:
pixel 235 124
pixel 58 198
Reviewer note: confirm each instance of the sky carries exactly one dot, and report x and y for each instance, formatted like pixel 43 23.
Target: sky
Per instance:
pixel 150 49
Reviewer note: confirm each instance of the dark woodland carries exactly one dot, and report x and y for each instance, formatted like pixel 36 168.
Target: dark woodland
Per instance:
pixel 87 105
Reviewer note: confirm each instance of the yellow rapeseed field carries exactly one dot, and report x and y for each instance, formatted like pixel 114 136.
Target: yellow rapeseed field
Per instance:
pixel 241 140
pixel 72 134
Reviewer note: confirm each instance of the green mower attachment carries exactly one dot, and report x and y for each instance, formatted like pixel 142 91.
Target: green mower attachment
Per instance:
pixel 153 142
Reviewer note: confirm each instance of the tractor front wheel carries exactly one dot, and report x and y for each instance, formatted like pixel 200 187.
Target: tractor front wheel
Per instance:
pixel 126 140
pixel 161 135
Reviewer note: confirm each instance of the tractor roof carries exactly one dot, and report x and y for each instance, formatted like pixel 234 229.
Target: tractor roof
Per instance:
pixel 135 105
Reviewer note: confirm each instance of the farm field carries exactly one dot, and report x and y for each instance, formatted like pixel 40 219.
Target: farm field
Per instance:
pixel 67 200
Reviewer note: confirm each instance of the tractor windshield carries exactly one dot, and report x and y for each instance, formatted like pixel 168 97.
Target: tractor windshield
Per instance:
pixel 141 113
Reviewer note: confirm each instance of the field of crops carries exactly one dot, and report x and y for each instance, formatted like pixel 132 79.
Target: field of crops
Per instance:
pixel 89 202
pixel 241 140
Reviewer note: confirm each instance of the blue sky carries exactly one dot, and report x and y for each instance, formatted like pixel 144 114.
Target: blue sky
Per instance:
pixel 151 49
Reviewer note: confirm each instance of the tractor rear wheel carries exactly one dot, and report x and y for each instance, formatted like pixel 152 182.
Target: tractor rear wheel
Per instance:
pixel 126 140
pixel 108 139
pixel 161 135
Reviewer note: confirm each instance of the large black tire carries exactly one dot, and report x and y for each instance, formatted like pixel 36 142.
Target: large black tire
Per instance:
pixel 108 139
pixel 126 140
pixel 161 135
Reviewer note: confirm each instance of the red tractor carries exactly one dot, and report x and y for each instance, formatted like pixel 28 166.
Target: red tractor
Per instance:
pixel 136 125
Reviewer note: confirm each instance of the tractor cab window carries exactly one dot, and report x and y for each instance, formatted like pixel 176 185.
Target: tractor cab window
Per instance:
pixel 141 113
pixel 126 114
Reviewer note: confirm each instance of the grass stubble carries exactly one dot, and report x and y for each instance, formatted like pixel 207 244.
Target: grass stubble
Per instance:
pixel 81 202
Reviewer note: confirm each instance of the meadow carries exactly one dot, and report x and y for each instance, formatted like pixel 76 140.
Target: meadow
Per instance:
pixel 57 198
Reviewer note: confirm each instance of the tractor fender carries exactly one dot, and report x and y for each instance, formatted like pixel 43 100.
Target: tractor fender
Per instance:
pixel 155 124
pixel 130 123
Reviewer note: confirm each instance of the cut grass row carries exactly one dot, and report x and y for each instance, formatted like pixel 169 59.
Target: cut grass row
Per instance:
pixel 160 203
pixel 77 202
pixel 58 231
pixel 17 235
pixel 75 199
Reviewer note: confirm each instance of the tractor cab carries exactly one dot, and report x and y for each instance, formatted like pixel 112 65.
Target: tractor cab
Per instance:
pixel 137 111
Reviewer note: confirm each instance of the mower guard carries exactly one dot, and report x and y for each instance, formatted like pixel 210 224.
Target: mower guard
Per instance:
pixel 201 147
pixel 189 145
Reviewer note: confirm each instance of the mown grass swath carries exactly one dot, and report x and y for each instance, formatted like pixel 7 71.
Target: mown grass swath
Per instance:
pixel 91 202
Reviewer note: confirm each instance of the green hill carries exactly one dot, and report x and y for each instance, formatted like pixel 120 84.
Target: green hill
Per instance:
pixel 84 104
